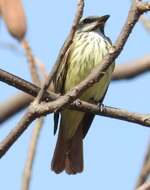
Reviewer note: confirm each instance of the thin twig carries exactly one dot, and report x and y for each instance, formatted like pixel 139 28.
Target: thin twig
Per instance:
pixel 79 12
pixel 27 173
pixel 26 179
pixel 24 85
pixel 32 62
pixel 14 105
pixel 145 170
pixel 145 186
pixel 132 69
pixel 16 132
pixel 42 68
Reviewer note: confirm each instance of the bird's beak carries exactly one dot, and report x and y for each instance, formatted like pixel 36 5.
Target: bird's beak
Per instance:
pixel 100 22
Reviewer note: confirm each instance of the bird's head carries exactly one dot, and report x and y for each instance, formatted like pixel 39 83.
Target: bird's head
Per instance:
pixel 93 23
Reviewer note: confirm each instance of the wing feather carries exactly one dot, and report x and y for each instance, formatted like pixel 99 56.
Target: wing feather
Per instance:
pixel 60 77
pixel 59 81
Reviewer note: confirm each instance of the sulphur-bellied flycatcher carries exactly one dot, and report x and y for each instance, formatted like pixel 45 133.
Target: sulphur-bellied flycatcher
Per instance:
pixel 89 47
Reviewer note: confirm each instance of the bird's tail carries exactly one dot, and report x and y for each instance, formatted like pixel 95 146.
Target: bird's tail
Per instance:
pixel 68 155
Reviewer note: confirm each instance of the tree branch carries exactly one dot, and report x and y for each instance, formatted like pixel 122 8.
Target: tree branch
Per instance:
pixel 145 186
pixel 43 109
pixel 116 113
pixel 144 173
pixel 16 132
pixel 17 103
pixel 79 12
pixel 24 85
pixel 32 62
pixel 33 90
pixel 132 69
pixel 14 105
pixel 27 173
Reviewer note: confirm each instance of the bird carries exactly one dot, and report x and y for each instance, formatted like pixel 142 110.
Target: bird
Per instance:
pixel 90 45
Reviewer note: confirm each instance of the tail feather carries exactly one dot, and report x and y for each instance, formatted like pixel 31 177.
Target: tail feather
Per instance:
pixel 68 155
pixel 74 157
pixel 58 161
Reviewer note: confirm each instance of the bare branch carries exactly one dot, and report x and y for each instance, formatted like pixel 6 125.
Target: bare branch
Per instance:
pixel 27 173
pixel 132 69
pixel 142 7
pixel 145 186
pixel 14 105
pixel 32 62
pixel 43 109
pixel 41 68
pixel 122 71
pixel 24 85
pixel 145 171
pixel 79 12
pixel 16 132
pixel 31 154
pixel 116 113
pixel 33 90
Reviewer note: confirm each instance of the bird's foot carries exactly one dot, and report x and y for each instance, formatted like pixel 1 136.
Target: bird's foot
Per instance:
pixel 77 102
pixel 101 107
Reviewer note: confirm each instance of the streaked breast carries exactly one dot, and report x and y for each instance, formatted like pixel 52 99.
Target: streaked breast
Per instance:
pixel 88 50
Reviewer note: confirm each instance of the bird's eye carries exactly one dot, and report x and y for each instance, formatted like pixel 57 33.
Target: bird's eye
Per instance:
pixel 87 21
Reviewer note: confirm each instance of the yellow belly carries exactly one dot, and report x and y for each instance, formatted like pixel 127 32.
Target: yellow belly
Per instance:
pixel 81 63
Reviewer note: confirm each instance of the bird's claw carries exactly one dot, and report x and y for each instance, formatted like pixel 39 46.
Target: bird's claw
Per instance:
pixel 101 107
pixel 77 102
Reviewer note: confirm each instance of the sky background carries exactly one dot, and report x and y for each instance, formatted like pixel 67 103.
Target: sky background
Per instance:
pixel 113 149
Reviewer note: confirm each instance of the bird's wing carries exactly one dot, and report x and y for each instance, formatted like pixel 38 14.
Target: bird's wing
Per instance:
pixel 88 118
pixel 59 81
pixel 86 123
pixel 60 77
